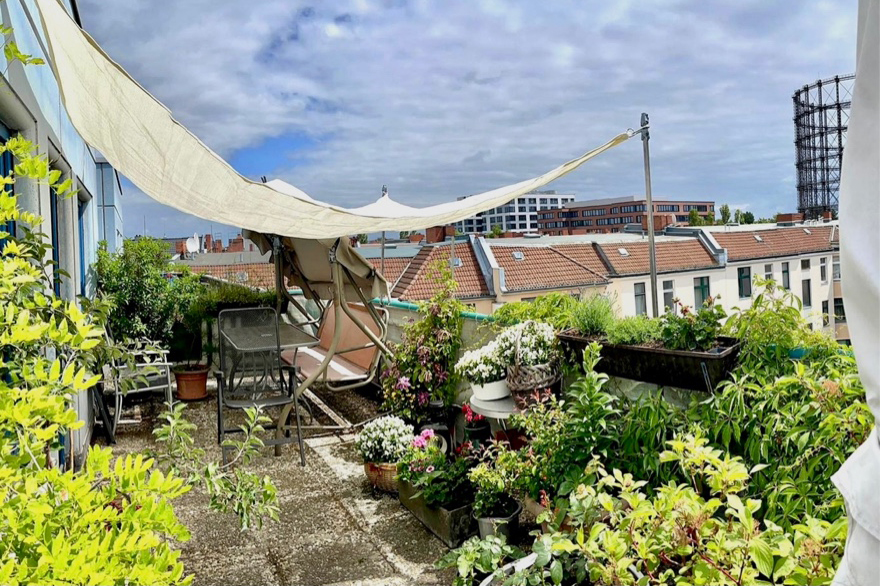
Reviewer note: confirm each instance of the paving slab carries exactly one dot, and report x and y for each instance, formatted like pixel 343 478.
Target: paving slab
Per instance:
pixel 334 529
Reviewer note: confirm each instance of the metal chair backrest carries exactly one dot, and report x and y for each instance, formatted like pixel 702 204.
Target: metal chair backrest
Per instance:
pixel 250 347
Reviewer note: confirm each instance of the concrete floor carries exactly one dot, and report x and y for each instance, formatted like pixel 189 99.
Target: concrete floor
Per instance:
pixel 333 528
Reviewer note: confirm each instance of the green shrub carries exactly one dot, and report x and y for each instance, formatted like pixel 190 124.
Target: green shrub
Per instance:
pixel 593 315
pixel 147 299
pixel 553 308
pixel 634 330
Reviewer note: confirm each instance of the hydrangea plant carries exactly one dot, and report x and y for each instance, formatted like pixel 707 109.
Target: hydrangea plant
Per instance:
pixel 384 440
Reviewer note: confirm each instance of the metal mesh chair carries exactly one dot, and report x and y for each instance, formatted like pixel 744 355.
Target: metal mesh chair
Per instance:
pixel 251 373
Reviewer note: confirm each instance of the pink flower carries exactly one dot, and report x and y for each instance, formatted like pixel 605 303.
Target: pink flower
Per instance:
pixel 422 398
pixel 429 469
pixel 419 442
pixel 427 433
pixel 403 383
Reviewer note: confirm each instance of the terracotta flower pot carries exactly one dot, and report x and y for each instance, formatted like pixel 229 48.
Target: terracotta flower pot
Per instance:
pixel 192 382
pixel 382 475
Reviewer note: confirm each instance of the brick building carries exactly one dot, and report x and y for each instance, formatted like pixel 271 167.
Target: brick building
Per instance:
pixel 612 214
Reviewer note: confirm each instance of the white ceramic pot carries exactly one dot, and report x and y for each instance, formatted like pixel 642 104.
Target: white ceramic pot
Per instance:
pixel 491 391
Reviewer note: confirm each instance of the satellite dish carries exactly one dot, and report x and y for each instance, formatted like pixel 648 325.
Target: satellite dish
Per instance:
pixel 192 244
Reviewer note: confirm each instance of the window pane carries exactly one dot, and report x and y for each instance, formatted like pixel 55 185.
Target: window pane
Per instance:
pixel 745 282
pixel 805 264
pixel 701 291
pixel 806 293
pixel 839 312
pixel 768 271
pixel 786 284
pixel 823 270
pixel 641 300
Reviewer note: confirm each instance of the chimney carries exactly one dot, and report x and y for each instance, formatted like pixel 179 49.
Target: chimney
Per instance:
pixel 827 216
pixel 218 245
pixel 206 242
pixel 661 221
pixel 789 219
pixel 415 238
pixel 180 247
pixel 236 244
pixel 438 234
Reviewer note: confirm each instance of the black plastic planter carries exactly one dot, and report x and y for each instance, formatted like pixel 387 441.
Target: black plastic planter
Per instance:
pixel 452 526
pixel 699 371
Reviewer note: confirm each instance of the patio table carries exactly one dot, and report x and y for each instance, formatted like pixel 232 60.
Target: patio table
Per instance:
pixel 260 339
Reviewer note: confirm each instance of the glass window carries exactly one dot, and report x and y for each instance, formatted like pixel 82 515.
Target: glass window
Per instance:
pixel 744 278
pixel 806 293
pixel 669 295
pixel 823 269
pixel 701 291
pixel 839 311
pixel 641 299
pixel 786 283
pixel 805 264
pixel 56 242
pixel 835 268
pixel 825 319
pixel 768 271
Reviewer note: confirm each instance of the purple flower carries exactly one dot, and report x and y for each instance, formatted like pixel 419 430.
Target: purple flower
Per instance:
pixel 422 398
pixel 403 383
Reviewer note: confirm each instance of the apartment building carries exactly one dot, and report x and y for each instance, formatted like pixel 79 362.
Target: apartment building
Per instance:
pixel 693 263
pixel 610 215
pixel 30 105
pixel 519 215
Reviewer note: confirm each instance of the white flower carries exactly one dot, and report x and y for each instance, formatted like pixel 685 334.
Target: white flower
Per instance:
pixel 384 440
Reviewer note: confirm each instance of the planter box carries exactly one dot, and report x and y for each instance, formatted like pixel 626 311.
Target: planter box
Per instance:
pixel 452 527
pixel 662 367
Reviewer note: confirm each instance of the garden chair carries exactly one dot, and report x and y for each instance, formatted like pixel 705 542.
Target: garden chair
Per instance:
pixel 251 372
pixel 149 370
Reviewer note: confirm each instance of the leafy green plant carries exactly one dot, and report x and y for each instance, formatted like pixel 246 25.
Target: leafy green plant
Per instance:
pixel 477 558
pixel 554 308
pixel 494 478
pixel 773 326
pixel 148 299
pixel 593 315
pixel 111 523
pixel 634 330
pixel 230 488
pixel 702 532
pixel 687 329
pixel 421 367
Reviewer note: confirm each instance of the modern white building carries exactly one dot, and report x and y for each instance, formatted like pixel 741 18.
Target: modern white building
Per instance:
pixel 30 105
pixel 519 215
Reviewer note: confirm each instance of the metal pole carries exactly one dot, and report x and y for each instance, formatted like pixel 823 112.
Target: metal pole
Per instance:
pixel 652 253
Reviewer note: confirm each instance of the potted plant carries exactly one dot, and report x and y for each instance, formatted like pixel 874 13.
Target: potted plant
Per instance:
pixel 192 374
pixel 689 351
pixel 496 511
pixel 485 369
pixel 436 489
pixel 476 427
pixel 381 444
pixel 530 351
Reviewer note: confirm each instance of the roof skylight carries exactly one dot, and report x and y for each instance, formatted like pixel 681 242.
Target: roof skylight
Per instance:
pixel 623 252
pixel 517 255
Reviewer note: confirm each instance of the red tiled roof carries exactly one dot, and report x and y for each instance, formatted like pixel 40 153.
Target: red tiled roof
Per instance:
pixel 776 242
pixel 415 283
pixel 394 268
pixel 545 267
pixel 260 275
pixel 681 255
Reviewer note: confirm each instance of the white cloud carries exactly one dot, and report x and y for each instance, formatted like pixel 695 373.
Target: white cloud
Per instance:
pixel 442 99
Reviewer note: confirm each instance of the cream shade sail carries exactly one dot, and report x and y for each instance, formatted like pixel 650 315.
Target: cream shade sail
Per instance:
pixel 140 138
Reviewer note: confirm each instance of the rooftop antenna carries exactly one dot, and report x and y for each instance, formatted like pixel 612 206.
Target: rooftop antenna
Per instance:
pixel 263 178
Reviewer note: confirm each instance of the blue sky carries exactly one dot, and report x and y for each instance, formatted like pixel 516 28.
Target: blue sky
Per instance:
pixel 440 99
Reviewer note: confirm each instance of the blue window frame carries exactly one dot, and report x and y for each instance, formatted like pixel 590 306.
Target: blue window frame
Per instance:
pixel 56 249
pixel 81 212
pixel 6 166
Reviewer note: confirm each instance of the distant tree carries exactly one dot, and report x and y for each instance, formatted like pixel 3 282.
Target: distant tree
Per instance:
pixel 694 218
pixel 737 216
pixel 710 219
pixel 363 238
pixel 748 218
pixel 496 232
pixel 404 234
pixel 725 214
pixel 459 232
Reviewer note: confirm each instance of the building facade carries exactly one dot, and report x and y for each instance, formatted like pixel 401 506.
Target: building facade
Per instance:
pixel 518 215
pixel 602 216
pixel 30 106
